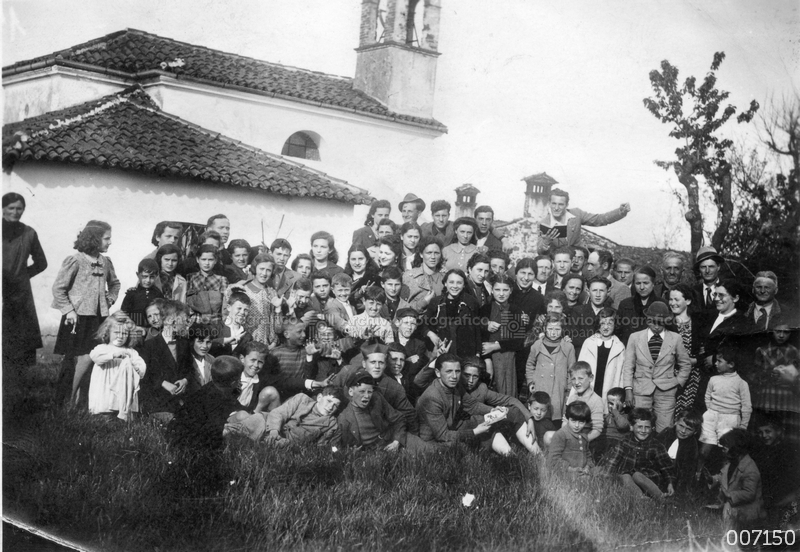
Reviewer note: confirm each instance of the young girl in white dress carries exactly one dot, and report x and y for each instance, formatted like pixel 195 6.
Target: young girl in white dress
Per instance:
pixel 114 385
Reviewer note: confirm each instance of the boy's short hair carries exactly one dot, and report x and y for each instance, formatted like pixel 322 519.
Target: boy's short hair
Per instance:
pixel 281 243
pixel 482 209
pixel 447 357
pixel 202 331
pixel 767 419
pixel 579 411
pixel 375 293
pixel 582 366
pixel 440 205
pixel 582 249
pixel 254 346
pixel 333 391
pixel 148 266
pixel 599 280
pixel 215 217
pixel 541 397
pixel 736 440
pixel 303 284
pixel 564 250
pixel 342 279
pixel 241 297
pixel 730 353
pixel 643 414
pixel 626 261
pixel 391 273
pixel 319 276
pixel 395 347
pixel 692 419
pixel 226 369
pixel 476 362
pixel 618 392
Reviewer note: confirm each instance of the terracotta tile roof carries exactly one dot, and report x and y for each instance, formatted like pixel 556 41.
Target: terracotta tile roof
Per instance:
pixel 136 55
pixel 128 131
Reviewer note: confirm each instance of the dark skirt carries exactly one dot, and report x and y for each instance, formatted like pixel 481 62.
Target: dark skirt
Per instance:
pixel 21 335
pixel 82 341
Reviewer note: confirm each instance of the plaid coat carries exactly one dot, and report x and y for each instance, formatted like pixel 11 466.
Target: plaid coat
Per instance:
pixel 648 457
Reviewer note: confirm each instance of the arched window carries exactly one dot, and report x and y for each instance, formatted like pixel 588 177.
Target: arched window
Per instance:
pixel 302 145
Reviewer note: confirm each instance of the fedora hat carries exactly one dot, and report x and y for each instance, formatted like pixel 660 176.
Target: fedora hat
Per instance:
pixel 411 198
pixel 707 252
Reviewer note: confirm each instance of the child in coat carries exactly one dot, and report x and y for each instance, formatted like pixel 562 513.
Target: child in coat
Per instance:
pixel 569 448
pixel 740 484
pixel 548 365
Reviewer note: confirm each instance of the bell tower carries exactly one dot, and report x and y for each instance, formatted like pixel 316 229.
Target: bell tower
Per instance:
pixel 396 56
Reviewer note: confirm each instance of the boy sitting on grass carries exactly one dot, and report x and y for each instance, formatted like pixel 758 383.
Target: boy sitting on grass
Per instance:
pixel 616 424
pixel 569 448
pixel 581 379
pixel 680 441
pixel 641 461
pixel 200 422
pixel 300 420
pixel 543 426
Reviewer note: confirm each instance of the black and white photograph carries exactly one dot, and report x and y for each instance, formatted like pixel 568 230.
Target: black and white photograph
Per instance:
pixel 400 275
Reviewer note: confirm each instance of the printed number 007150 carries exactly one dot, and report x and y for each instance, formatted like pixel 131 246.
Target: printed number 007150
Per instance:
pixel 755 537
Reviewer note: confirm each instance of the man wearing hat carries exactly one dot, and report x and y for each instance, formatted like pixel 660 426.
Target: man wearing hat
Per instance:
pixel 707 263
pixel 373 360
pixel 656 365
pixel 406 324
pixel 411 208
pixel 369 421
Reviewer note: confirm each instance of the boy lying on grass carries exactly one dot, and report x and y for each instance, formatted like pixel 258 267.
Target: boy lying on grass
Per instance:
pixel 301 419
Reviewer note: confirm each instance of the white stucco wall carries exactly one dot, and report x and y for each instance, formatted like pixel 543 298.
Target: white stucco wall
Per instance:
pixel 385 158
pixel 41 91
pixel 62 198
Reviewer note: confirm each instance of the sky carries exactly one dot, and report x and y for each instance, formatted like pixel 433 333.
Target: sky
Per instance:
pixel 524 87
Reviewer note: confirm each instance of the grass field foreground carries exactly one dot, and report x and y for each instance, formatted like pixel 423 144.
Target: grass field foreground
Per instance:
pixel 119 486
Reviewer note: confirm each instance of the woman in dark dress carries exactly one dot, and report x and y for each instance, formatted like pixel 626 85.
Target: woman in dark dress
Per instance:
pixel 21 335
pixel 630 316
pixel 453 317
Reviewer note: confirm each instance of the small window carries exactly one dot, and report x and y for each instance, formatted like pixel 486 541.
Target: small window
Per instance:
pixel 301 145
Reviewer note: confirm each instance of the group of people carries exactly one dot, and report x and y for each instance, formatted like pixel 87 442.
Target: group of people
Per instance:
pixel 426 335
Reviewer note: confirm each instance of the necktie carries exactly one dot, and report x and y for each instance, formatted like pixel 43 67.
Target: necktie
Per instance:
pixel 708 297
pixel 761 323
pixel 655 346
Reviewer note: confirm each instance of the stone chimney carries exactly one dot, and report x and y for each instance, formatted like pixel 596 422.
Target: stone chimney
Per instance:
pixel 396 56
pixel 466 200
pixel 537 195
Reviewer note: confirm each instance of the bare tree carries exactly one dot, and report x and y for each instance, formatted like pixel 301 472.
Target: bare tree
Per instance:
pixel 696 114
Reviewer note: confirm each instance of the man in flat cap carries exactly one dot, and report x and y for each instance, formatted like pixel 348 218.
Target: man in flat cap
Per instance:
pixel 369 421
pixel 707 263
pixel 656 365
pixel 411 208
pixel 373 360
